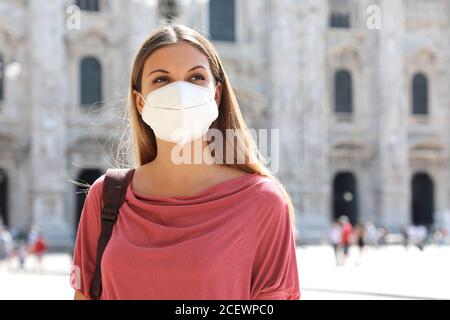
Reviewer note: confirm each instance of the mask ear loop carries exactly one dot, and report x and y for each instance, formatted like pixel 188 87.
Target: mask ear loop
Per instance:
pixel 142 97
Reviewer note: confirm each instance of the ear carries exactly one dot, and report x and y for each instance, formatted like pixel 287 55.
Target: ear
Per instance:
pixel 218 94
pixel 138 101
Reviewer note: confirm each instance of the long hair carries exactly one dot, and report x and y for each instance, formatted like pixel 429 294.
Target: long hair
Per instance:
pixel 138 144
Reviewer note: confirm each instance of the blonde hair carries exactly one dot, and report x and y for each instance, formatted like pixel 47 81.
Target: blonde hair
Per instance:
pixel 140 144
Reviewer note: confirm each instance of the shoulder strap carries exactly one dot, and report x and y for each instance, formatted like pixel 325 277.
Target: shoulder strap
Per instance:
pixel 114 191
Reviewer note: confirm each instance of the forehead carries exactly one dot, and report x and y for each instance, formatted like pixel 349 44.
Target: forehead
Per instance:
pixel 178 56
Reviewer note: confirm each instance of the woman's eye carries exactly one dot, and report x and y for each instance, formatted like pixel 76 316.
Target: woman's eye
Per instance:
pixel 198 77
pixel 160 78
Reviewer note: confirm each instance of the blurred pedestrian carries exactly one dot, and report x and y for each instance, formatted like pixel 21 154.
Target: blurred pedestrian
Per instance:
pixel 32 235
pixel 382 236
pixel 422 234
pixel 371 234
pixel 6 246
pixel 360 234
pixel 39 248
pixel 438 237
pixel 405 237
pixel 346 237
pixel 22 253
pixel 334 236
pixel 417 235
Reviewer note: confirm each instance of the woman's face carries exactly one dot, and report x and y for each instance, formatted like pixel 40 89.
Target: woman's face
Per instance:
pixel 180 61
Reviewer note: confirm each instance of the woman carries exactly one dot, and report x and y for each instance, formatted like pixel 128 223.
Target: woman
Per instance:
pixel 209 230
pixel 334 236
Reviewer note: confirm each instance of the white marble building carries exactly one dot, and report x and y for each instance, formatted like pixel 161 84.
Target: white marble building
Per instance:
pixel 362 112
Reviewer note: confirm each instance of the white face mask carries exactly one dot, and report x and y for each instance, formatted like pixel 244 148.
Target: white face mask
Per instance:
pixel 180 112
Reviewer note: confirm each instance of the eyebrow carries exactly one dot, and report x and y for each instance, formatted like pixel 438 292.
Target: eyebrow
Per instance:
pixel 165 71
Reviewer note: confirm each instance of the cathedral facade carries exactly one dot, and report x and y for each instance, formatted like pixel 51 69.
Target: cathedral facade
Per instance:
pixel 358 88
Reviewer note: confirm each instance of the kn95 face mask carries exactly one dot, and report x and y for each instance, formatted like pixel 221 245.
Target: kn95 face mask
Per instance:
pixel 180 112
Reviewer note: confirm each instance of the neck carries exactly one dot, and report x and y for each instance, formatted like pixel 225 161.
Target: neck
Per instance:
pixel 183 165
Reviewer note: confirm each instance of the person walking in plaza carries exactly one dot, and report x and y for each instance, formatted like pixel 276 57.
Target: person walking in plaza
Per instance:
pixel 33 235
pixel 22 253
pixel 360 239
pixel 219 228
pixel 38 249
pixel 346 237
pixel 6 247
pixel 405 237
pixel 334 235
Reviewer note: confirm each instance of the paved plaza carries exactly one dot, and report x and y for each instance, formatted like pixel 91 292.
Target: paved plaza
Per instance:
pixel 385 273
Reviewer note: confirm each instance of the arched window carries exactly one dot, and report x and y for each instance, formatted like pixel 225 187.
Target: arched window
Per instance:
pixel 343 92
pixel 339 16
pixel 222 20
pixel 88 5
pixel 2 77
pixel 91 81
pixel 420 94
pixel 339 20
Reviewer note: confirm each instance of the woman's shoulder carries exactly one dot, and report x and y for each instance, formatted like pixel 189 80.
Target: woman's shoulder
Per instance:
pixel 268 188
pixel 271 211
pixel 268 193
pixel 95 190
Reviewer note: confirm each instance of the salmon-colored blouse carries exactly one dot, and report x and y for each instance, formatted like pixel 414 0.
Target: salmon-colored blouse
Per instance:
pixel 231 241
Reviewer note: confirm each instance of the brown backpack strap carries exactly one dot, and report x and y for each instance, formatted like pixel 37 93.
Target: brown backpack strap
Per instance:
pixel 114 191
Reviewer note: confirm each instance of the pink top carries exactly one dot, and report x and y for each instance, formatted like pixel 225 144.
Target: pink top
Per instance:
pixel 231 241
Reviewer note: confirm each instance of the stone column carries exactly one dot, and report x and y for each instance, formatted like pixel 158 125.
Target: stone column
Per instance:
pixel 47 114
pixel 313 120
pixel 143 17
pixel 284 82
pixel 299 108
pixel 392 162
